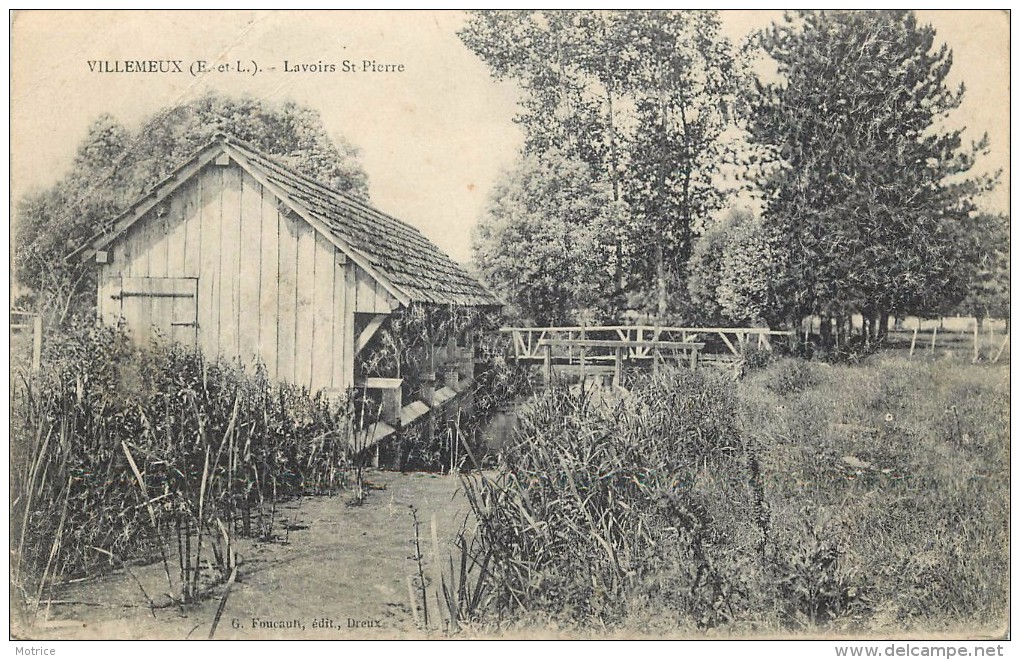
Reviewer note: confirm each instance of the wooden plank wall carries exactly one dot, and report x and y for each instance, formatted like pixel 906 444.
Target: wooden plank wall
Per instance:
pixel 371 297
pixel 270 288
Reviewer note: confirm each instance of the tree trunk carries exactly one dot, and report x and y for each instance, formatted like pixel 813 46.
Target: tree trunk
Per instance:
pixel 883 326
pixel 825 330
pixel 796 329
pixel 660 265
pixel 613 157
pixel 660 282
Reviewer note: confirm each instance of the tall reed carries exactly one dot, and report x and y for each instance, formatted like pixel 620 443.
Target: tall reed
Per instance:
pixel 594 506
pixel 157 453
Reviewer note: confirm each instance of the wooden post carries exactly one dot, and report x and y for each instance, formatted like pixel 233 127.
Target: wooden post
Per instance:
pixel 451 377
pixel 694 358
pixel 618 371
pixel 1001 349
pixel 976 350
pixel 934 334
pixel 991 336
pixel 913 340
pixel 547 365
pixel 392 402
pixel 37 342
pixel 466 363
pixel 428 387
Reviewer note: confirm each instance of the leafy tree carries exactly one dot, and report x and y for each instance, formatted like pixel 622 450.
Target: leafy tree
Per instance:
pixel 988 291
pixel 680 76
pixel 871 193
pixel 640 97
pixel 542 243
pixel 114 165
pixel 732 268
pixel 751 258
pixel 705 270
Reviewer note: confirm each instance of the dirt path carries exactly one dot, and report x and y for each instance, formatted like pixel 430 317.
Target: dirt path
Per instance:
pixel 338 573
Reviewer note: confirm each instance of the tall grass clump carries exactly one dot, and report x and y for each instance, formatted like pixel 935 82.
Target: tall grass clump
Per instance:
pixel 888 485
pixel 600 510
pixel 156 453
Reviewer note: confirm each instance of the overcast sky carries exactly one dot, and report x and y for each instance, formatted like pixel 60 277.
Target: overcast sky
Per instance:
pixel 433 138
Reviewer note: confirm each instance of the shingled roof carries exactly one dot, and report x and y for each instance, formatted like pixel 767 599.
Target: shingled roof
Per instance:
pixel 393 251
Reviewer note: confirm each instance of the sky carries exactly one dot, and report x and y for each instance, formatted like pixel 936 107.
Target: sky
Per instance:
pixel 433 137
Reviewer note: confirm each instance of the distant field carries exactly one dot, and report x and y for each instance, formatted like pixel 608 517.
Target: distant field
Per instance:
pixel 959 324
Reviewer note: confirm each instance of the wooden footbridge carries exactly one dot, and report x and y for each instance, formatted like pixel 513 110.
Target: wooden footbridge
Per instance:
pixel 591 355
pixel 605 351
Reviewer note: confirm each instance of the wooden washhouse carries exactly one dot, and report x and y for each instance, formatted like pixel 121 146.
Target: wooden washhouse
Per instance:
pixel 245 257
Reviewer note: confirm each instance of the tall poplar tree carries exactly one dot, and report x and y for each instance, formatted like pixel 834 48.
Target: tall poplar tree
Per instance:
pixel 641 97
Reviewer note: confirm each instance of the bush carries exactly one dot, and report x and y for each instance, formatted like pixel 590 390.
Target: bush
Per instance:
pixel 756 359
pixel 787 375
pixel 597 509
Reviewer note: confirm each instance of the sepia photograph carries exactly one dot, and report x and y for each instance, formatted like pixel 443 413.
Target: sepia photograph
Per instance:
pixel 586 324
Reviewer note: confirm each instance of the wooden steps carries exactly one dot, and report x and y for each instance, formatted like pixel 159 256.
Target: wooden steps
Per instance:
pixel 409 414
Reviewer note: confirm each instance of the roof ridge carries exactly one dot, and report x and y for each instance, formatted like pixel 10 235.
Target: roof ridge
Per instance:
pixel 391 248
pixel 342 196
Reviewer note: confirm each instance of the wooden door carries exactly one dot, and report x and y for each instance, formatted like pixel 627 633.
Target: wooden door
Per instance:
pixel 160 306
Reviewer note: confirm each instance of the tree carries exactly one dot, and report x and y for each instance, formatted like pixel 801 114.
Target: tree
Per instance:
pixel 988 285
pixel 680 76
pixel 870 192
pixel 51 223
pixel 543 241
pixel 641 97
pixel 732 269
pixel 113 166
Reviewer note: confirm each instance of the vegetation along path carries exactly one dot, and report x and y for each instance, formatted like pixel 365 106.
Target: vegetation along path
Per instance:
pixel 333 571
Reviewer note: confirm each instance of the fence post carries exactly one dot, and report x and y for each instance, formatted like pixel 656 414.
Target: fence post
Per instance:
pixel 37 342
pixel 913 340
pixel 976 354
pixel 547 365
pixel 1001 348
pixel 583 351
pixel 934 334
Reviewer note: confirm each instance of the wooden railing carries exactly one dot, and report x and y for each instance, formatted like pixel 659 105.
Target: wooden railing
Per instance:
pixel 594 355
pixel 637 340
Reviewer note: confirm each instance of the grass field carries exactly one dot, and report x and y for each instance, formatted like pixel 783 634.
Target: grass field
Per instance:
pixel 808 499
pixel 901 469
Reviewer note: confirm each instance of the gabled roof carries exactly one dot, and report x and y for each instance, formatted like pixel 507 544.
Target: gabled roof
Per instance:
pixel 399 256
